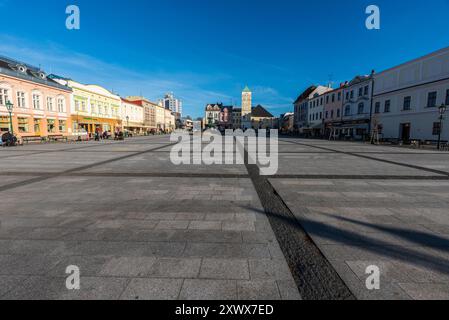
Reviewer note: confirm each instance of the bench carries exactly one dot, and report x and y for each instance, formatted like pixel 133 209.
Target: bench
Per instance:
pixel 33 139
pixel 56 138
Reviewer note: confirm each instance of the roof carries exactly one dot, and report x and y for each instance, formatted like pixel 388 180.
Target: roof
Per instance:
pixel 261 112
pixel 18 69
pixel 137 103
pixel 305 94
pixel 246 89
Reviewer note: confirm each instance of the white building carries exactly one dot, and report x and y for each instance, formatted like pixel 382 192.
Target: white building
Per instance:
pixel 357 95
pixel 132 115
pixel 171 103
pixel 407 97
pixel 308 108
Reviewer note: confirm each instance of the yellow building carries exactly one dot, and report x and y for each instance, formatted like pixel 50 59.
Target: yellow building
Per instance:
pixel 93 108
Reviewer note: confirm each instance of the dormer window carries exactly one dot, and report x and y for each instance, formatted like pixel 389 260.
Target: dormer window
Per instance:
pixel 42 75
pixel 22 69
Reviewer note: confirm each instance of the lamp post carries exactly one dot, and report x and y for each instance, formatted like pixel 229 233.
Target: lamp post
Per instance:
pixel 10 108
pixel 441 110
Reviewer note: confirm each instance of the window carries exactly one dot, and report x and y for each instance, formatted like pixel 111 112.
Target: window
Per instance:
pixel 50 104
pixel 36 102
pixel 321 115
pixel 347 95
pixel 332 114
pixel 77 105
pixel 366 90
pixel 21 99
pixel 50 125
pixel 83 106
pixel 348 111
pixel 339 96
pixel 360 92
pixel 352 94
pixel 4 124
pixel 447 97
pixel 377 107
pixel 3 96
pixel 327 114
pixel 23 125
pixel 61 105
pixel 62 126
pixel 37 126
pixel 387 107
pixel 333 97
pixel 432 99
pixel 361 108
pixel 327 99
pixel 407 103
pixel 436 128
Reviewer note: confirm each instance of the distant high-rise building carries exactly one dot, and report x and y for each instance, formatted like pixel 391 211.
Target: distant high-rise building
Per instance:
pixel 171 103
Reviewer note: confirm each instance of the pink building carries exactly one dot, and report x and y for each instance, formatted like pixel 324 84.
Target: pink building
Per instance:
pixel 41 106
pixel 333 108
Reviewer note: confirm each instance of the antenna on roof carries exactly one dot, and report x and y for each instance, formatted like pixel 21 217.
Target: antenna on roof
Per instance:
pixel 331 82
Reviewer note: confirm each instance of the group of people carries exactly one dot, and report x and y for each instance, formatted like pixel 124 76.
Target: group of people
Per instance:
pixel 8 140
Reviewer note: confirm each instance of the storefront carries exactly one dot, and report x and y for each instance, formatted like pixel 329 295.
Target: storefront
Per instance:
pixel 92 125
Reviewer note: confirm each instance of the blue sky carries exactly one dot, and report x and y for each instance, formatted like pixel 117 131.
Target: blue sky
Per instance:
pixel 208 50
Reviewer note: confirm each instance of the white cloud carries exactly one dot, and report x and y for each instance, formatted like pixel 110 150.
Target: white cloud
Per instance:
pixel 87 69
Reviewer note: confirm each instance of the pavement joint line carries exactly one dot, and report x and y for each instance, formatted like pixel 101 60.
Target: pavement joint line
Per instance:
pixel 89 166
pixel 356 154
pixel 314 275
pixel 131 174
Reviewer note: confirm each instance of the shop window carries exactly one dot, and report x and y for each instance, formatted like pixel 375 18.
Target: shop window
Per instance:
pixel 23 125
pixel 62 126
pixel 37 126
pixel 51 126
pixel 4 124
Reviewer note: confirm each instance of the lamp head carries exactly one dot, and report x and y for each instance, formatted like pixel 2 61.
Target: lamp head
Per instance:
pixel 9 106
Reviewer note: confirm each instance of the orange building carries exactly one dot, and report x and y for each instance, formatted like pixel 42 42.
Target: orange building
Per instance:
pixel 41 106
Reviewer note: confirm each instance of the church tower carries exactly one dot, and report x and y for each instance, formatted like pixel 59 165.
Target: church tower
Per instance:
pixel 246 101
pixel 246 108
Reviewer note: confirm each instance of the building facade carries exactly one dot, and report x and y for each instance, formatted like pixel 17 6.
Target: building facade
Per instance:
pixel 149 112
pixel 93 108
pixel 171 103
pixel 132 115
pixel 308 108
pixel 407 97
pixel 333 111
pixel 357 104
pixel 41 105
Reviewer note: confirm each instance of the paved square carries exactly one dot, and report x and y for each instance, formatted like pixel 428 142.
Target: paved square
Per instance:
pixel 139 227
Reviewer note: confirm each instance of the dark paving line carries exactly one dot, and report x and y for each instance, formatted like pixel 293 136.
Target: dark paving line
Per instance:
pixel 70 171
pixel 35 152
pixel 314 275
pixel 129 174
pixel 356 177
pixel 357 154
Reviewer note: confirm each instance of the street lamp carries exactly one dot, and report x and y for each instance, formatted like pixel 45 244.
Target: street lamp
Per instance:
pixel 10 107
pixel 441 111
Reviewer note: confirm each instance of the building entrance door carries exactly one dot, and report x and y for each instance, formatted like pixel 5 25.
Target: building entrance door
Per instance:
pixel 405 132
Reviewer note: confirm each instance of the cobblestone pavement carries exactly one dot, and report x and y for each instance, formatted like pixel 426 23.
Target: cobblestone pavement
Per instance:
pixel 139 227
